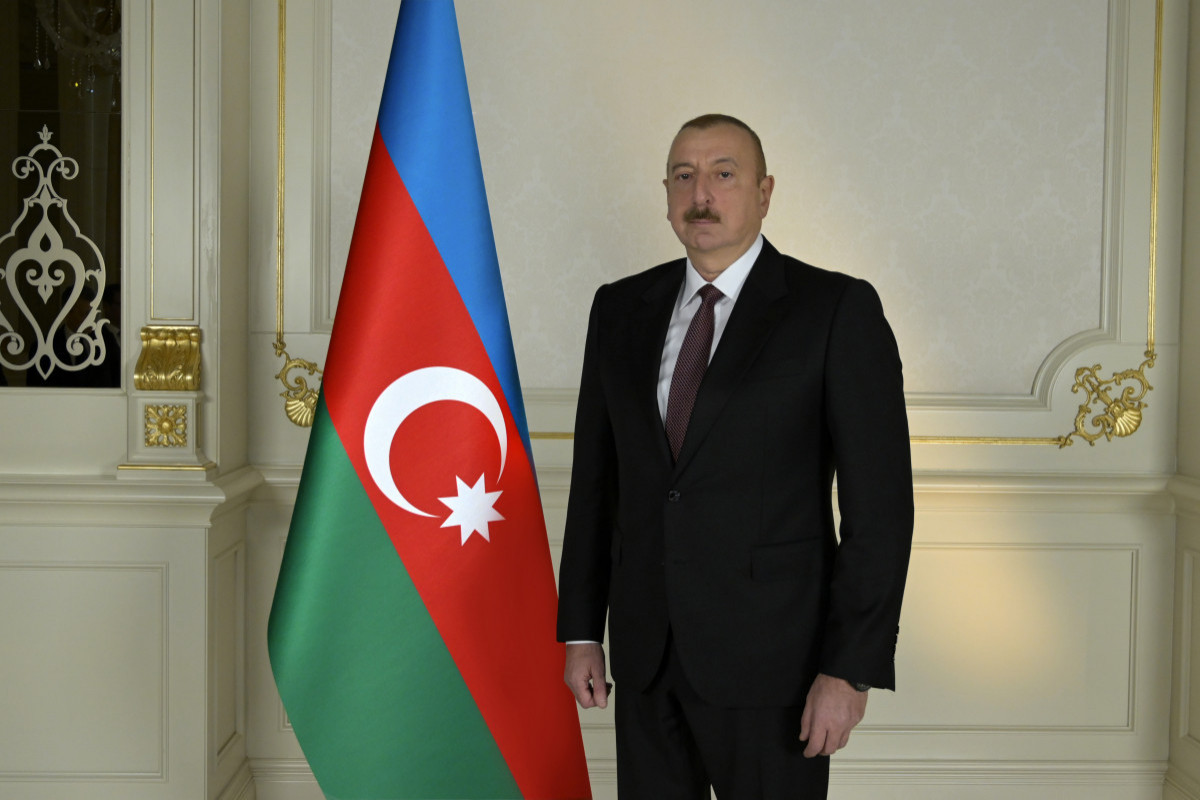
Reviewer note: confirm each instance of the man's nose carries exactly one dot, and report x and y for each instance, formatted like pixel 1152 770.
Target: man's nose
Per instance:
pixel 701 193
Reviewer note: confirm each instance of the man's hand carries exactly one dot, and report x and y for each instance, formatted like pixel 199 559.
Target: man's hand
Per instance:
pixel 831 711
pixel 585 675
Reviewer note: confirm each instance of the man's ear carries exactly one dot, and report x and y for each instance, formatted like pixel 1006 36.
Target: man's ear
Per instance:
pixel 765 187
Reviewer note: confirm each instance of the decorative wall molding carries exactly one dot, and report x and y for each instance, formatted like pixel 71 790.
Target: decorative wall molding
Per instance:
pixel 97 502
pixel 166 426
pixel 171 152
pixel 1007 611
pixel 1178 785
pixel 160 751
pixel 324 292
pixel 1052 772
pixel 1098 494
pixel 1183 780
pixel 228 577
pixel 1186 491
pixel 241 786
pixel 1188 559
pixel 285 770
pixel 1111 284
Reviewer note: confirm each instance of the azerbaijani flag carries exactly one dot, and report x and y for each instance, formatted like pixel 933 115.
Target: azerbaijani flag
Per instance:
pixel 412 634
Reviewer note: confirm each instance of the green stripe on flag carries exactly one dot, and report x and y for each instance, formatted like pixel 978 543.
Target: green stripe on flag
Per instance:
pixel 371 691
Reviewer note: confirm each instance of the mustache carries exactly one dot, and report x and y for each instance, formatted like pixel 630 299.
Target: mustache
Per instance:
pixel 702 212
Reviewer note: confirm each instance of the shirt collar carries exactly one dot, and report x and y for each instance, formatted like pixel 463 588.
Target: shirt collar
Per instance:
pixel 731 278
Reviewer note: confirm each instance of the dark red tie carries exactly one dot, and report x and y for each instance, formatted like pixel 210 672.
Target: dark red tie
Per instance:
pixel 690 368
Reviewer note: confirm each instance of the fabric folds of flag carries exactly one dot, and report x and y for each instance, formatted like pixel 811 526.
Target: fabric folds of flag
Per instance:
pixel 412 631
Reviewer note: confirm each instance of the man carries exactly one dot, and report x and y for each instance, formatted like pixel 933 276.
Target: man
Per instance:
pixel 710 424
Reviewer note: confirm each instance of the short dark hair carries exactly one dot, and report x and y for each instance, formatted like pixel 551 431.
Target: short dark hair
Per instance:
pixel 705 121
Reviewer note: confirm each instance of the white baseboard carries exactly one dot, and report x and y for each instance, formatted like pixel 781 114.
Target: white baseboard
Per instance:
pixel 241 786
pixel 290 779
pixel 1180 786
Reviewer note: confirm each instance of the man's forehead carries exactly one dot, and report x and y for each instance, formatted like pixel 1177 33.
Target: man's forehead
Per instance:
pixel 721 141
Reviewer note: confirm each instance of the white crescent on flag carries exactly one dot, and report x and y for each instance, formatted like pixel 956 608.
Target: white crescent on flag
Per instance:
pixel 405 395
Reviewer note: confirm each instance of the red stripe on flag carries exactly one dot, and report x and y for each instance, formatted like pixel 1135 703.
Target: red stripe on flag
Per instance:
pixel 492 601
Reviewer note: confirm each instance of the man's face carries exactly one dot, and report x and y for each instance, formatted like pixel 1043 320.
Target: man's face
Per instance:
pixel 715 201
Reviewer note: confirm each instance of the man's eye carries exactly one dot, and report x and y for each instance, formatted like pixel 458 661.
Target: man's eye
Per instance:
pixel 726 174
pixel 682 176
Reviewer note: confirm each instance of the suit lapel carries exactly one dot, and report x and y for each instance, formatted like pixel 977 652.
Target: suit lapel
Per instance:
pixel 648 333
pixel 753 318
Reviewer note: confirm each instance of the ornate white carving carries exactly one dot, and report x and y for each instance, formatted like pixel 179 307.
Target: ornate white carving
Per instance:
pixel 43 263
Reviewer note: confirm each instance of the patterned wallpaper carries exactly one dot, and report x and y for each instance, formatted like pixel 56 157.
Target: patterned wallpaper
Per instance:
pixel 951 152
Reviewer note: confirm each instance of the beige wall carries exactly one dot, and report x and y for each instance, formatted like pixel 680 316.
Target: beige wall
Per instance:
pixel 990 167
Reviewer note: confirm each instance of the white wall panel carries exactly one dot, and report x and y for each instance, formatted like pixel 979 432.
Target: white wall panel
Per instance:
pixel 83 688
pixel 227 589
pixel 104 666
pixel 121 645
pixel 987 624
pixel 1184 777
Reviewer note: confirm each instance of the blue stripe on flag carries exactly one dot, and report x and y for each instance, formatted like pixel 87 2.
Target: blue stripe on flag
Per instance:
pixel 425 121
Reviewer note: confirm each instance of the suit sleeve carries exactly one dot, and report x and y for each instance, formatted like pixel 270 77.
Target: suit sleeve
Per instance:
pixel 868 427
pixel 586 564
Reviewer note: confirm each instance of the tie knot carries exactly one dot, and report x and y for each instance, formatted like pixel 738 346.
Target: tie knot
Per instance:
pixel 710 294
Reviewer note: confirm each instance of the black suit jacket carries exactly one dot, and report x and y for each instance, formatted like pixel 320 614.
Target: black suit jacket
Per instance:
pixel 733 547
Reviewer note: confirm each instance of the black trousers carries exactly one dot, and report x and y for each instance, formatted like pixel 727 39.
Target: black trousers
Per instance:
pixel 672 745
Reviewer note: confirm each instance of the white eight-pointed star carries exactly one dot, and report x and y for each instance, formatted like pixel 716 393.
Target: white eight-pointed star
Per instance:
pixel 472 509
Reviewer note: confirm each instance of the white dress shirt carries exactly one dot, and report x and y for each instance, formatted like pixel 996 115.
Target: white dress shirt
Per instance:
pixel 688 303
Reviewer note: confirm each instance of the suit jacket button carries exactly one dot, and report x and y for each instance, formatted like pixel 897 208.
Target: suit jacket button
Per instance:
pixel 673 496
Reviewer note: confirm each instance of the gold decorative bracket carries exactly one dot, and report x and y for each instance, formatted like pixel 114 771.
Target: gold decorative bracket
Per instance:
pixel 170 359
pixel 164 407
pixel 1120 415
pixel 300 400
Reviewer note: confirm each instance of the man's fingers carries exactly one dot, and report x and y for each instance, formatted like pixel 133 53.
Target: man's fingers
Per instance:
pixel 584 674
pixel 583 693
pixel 600 690
pixel 816 744
pixel 824 740
pixel 831 710
pixel 582 689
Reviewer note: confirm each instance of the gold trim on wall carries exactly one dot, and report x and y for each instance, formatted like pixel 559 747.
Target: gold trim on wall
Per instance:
pixel 150 215
pixel 207 465
pixel 1122 415
pixel 299 399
